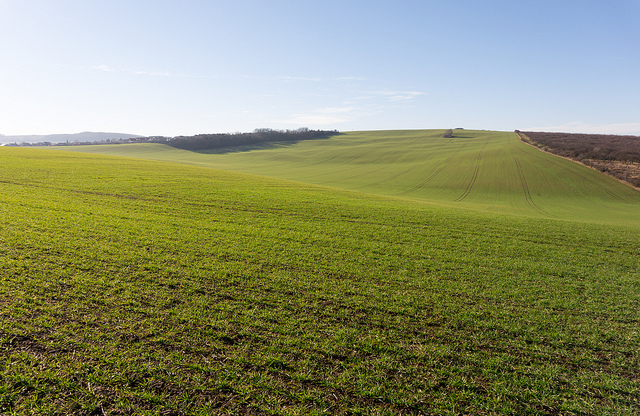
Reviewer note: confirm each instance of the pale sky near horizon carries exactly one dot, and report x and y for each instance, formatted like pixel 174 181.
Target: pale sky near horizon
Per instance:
pixel 187 67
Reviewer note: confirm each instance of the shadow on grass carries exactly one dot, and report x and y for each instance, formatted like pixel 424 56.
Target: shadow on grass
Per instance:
pixel 276 144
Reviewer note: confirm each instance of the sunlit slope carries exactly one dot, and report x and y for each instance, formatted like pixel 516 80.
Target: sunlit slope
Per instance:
pixel 474 169
pixel 130 286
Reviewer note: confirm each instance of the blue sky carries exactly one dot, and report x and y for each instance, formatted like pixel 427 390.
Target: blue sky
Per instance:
pixel 188 67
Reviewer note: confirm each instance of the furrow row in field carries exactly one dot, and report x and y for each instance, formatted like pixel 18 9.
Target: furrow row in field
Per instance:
pixel 472 181
pixel 474 176
pixel 525 188
pixel 435 171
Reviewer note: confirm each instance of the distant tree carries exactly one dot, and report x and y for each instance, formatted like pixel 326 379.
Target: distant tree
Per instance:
pixel 448 134
pixel 260 135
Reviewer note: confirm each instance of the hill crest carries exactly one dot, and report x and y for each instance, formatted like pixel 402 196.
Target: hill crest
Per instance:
pixel 85 136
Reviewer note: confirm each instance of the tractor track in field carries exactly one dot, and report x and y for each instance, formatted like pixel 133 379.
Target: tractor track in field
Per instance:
pixel 76 191
pixel 469 187
pixel 525 188
pixel 434 172
pixel 474 177
pixel 439 169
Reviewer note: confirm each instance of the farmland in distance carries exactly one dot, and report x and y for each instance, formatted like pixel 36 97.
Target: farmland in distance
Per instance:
pixel 480 170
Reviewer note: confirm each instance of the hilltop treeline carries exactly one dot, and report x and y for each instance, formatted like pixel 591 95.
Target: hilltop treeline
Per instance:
pixel 616 155
pixel 212 141
pixel 207 141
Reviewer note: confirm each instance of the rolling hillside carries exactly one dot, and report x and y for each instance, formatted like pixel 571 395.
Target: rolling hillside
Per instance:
pixel 491 171
pixel 132 286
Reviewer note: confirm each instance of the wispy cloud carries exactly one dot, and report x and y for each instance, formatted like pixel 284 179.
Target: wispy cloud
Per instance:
pixel 349 79
pixel 358 99
pixel 321 116
pixel 398 95
pixel 580 127
pixel 290 78
pixel 334 110
pixel 107 68
pixel 153 73
pixel 390 95
pixel 319 79
pixel 315 119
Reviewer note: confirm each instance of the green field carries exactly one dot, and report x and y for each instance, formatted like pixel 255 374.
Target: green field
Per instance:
pixel 503 281
pixel 482 170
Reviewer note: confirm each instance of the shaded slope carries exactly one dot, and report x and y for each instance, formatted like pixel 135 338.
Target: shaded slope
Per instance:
pixel 474 169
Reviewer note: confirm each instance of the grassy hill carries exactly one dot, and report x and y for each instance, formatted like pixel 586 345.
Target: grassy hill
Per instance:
pixel 481 170
pixel 131 286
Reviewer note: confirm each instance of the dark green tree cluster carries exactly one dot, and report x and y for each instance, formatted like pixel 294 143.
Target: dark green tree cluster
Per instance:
pixel 212 141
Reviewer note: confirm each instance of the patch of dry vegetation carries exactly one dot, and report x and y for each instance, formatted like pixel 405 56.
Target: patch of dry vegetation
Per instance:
pixel 618 156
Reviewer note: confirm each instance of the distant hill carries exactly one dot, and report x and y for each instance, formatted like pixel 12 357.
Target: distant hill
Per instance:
pixel 85 136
